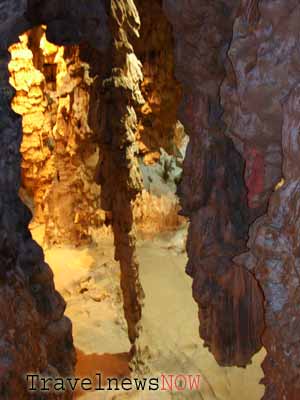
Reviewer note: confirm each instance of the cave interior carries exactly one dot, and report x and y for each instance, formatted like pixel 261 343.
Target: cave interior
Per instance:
pixel 150 140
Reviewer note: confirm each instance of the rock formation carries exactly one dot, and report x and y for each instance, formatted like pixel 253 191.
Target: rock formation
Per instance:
pixel 212 192
pixel 261 99
pixel 158 114
pixel 274 260
pixel 35 334
pixel 59 150
pixel 36 337
pixel 119 167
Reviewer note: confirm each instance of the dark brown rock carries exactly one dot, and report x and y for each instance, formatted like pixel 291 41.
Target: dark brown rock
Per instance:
pixel 212 192
pixel 119 167
pixel 157 116
pixel 261 99
pixel 35 336
pixel 274 258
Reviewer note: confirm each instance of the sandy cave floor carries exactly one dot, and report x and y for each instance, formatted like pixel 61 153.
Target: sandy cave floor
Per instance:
pixel 88 278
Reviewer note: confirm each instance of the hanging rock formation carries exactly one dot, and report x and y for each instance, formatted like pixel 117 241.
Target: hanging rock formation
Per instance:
pixel 119 173
pixel 212 192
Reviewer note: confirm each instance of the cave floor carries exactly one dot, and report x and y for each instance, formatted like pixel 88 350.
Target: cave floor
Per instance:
pixel 88 278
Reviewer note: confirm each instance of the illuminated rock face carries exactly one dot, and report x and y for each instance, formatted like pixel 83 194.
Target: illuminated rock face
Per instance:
pixel 60 152
pixel 35 335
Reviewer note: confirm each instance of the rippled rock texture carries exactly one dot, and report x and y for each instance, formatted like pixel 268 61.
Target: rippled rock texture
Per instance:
pixel 213 194
pixel 119 167
pixel 245 58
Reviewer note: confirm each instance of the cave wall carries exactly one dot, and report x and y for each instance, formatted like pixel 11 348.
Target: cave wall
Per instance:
pixel 59 150
pixel 157 117
pixel 261 101
pixel 35 335
pixel 238 64
pixel 213 193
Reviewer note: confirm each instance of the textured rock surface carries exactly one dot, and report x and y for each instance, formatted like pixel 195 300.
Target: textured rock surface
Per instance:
pixel 262 110
pixel 213 194
pixel 274 258
pixel 59 150
pixel 261 70
pixel 158 115
pixel 119 174
pixel 35 336
pixel 116 115
pixel 260 98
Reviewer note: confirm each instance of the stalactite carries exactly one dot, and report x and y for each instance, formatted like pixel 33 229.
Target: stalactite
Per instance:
pixel 119 173
pixel 212 192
